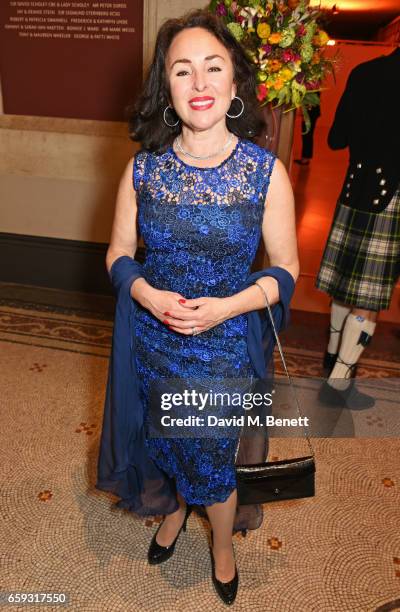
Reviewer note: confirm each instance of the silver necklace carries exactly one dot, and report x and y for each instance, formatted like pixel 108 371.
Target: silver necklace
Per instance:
pixel 179 146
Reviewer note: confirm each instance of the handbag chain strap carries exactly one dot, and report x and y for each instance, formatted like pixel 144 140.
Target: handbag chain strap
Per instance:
pixel 284 365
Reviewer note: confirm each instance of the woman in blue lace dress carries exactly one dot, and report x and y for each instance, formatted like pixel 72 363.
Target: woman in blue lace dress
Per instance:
pixel 202 194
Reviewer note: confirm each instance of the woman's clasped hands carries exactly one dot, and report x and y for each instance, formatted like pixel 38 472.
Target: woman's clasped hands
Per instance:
pixel 181 314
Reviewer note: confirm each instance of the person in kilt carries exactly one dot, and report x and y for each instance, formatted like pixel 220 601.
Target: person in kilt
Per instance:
pixel 361 260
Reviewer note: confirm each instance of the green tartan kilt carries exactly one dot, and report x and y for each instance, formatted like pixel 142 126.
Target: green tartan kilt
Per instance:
pixel 361 261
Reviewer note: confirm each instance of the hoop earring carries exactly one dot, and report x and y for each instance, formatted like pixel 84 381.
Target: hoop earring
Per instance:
pixel 166 122
pixel 241 112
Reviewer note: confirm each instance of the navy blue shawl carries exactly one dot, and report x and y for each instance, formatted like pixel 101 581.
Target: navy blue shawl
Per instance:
pixel 124 466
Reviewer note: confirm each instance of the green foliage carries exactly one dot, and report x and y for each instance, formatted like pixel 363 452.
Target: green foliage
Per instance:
pixel 295 43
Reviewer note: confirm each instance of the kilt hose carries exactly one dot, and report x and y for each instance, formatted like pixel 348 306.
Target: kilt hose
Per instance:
pixel 361 261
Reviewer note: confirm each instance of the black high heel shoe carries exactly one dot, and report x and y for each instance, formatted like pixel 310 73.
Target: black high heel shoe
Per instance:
pixel 157 553
pixel 226 590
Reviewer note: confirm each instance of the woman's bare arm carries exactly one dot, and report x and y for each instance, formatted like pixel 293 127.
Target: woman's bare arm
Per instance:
pixel 123 239
pixel 279 236
pixel 123 234
pixel 279 222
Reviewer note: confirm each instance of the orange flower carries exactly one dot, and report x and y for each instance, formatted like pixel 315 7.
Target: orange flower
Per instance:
pixel 275 38
pixel 292 4
pixel 274 65
pixel 315 58
pixel 278 84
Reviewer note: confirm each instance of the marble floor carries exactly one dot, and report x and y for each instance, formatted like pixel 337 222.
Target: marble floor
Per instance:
pixel 336 552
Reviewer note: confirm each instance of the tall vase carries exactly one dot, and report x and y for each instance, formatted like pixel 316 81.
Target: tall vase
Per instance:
pixel 278 134
pixel 278 138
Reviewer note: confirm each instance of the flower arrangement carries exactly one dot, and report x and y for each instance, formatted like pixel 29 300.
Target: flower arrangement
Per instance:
pixel 283 38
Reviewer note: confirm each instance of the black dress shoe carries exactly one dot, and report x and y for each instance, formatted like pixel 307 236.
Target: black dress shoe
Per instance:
pixel 226 590
pixel 329 361
pixel 350 398
pixel 159 554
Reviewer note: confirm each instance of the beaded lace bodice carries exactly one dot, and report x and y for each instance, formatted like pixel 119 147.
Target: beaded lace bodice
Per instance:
pixel 202 226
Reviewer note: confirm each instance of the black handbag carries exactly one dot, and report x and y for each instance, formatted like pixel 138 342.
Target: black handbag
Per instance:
pixel 276 480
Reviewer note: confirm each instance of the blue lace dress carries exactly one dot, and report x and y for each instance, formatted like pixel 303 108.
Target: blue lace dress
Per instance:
pixel 201 228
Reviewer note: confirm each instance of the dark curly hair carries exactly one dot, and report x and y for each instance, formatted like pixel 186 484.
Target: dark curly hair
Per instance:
pixel 145 114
